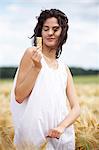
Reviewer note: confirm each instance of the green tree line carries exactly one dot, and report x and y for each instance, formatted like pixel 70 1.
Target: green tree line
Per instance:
pixel 9 72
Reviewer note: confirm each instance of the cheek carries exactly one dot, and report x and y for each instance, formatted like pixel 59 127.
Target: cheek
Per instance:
pixel 43 35
pixel 58 34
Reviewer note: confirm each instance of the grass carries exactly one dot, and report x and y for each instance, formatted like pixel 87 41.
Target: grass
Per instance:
pixel 92 79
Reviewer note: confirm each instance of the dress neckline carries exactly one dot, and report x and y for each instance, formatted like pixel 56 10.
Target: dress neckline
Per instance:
pixel 48 66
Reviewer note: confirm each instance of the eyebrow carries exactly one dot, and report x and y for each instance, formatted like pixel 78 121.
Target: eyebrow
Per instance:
pixel 52 27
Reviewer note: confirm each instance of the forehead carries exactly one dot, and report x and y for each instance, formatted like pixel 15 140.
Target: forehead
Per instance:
pixel 51 22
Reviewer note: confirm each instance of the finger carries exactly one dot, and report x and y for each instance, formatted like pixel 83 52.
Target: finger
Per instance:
pixel 34 51
pixel 39 51
pixel 36 57
pixel 50 133
pixel 48 136
pixel 53 134
pixel 56 134
pixel 40 48
pixel 34 54
pixel 37 54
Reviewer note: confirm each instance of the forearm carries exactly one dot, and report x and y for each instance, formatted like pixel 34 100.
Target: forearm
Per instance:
pixel 72 116
pixel 24 89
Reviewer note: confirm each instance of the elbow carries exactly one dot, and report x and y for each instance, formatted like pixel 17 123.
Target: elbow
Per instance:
pixel 19 99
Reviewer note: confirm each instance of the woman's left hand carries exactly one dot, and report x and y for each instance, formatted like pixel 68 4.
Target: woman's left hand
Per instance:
pixel 56 132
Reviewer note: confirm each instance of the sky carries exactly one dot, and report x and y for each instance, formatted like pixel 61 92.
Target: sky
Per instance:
pixel 18 19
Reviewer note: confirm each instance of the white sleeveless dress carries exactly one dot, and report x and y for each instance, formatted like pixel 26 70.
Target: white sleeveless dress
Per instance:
pixel 43 110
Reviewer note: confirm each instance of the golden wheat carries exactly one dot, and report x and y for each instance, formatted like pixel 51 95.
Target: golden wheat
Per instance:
pixel 86 126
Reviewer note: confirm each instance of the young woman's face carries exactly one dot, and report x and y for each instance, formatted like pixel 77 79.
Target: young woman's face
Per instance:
pixel 51 32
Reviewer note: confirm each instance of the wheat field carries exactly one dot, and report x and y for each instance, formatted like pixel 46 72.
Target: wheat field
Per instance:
pixel 86 126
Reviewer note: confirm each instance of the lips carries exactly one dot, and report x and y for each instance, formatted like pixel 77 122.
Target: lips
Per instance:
pixel 50 39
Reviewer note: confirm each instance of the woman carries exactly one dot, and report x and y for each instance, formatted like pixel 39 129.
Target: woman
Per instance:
pixel 42 88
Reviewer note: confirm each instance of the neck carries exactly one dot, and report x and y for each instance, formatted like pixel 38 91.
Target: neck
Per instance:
pixel 49 52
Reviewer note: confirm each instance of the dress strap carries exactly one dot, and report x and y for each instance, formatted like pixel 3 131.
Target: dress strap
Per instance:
pixel 43 61
pixel 63 66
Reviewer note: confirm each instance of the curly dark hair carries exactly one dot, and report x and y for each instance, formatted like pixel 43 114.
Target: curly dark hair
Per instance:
pixel 62 21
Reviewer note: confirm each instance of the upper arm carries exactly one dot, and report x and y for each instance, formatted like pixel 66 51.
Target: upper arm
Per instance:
pixel 70 89
pixel 24 66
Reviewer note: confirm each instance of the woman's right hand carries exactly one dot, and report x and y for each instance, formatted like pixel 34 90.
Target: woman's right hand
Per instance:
pixel 36 57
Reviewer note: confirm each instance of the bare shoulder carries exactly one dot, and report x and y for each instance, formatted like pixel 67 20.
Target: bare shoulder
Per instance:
pixel 68 71
pixel 26 58
pixel 25 65
pixel 28 51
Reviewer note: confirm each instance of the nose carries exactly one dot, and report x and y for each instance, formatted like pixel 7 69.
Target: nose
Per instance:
pixel 50 32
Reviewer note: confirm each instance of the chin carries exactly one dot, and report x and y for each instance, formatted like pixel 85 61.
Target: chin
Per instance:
pixel 50 45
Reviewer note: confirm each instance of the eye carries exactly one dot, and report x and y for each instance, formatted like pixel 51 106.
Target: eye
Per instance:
pixel 45 28
pixel 56 29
